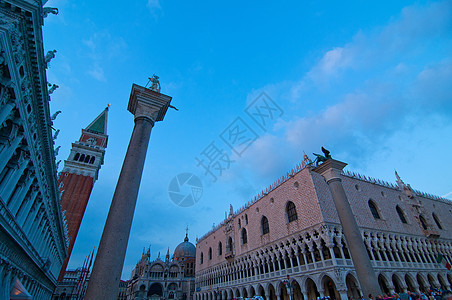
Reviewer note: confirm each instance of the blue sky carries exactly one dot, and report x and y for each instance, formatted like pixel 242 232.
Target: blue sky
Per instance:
pixel 370 81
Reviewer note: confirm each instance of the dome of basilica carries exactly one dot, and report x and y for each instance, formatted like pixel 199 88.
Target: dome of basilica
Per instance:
pixel 185 250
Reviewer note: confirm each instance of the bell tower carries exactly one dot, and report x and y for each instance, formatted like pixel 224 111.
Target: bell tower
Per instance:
pixel 77 179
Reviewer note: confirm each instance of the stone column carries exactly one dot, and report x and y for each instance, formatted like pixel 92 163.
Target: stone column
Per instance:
pixel 331 171
pixel 343 294
pixel 148 107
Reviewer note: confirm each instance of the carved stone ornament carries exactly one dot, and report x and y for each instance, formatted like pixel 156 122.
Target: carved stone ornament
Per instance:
pixel 49 10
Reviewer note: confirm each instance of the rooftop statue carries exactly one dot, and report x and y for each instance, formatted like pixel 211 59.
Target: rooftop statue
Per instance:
pixel 54 116
pixel 320 158
pixel 155 85
pixel 49 10
pixel 306 161
pixel 48 57
pixel 53 87
pixel 56 134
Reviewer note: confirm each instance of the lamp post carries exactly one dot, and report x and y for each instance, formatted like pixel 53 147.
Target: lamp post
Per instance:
pixel 289 287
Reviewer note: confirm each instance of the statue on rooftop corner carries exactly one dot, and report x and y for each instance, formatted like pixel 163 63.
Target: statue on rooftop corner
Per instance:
pixel 48 57
pixel 54 116
pixel 320 158
pixel 155 85
pixel 306 161
pixel 53 87
pixel 49 10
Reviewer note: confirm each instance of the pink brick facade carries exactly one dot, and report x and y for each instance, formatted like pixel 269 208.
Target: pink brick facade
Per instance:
pixel 308 257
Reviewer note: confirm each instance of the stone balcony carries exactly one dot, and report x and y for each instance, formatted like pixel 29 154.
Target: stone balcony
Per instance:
pixel 317 267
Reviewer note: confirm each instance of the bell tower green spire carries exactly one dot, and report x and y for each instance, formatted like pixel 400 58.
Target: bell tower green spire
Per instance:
pixel 99 125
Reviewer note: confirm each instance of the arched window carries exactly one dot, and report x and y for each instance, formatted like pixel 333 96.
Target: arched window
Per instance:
pixel 210 253
pixel 77 155
pixel 244 237
pixel 374 210
pixel 246 219
pixel 87 158
pixel 220 249
pixel 438 223
pixel 401 214
pixel 82 158
pixel 240 224
pixel 202 258
pixel 91 161
pixel 423 222
pixel 291 212
pixel 264 225
pixel 229 245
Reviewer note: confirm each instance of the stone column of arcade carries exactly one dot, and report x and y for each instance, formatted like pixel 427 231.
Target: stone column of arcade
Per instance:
pixel 331 171
pixel 148 106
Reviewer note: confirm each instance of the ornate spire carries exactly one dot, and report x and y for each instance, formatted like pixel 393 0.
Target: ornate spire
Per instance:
pixel 167 255
pixel 404 187
pixel 99 125
pixel 186 234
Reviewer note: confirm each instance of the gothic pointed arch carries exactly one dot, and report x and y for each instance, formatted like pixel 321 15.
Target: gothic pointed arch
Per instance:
pixel 437 221
pixel 244 236
pixel 291 212
pixel 423 222
pixel 229 245
pixel 220 248
pixel 373 209
pixel 264 225
pixel 401 215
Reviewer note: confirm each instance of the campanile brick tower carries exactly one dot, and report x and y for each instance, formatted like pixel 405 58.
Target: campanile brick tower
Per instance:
pixel 79 174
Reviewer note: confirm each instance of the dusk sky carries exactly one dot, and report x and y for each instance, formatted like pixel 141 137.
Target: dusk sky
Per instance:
pixel 370 81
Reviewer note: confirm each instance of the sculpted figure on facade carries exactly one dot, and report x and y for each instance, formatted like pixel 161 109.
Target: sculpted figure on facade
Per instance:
pixel 49 10
pixel 53 87
pixel 55 115
pixel 49 56
pixel 57 132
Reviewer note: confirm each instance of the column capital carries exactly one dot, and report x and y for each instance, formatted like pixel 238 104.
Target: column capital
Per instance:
pixel 331 169
pixel 146 103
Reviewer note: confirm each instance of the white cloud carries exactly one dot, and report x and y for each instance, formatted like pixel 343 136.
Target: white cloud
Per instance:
pixel 153 4
pixel 417 26
pixel 330 64
pixel 432 87
pixel 154 7
pixel 97 72
pixel 402 80
pixel 103 49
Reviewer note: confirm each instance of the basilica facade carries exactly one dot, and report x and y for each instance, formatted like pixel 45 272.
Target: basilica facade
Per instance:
pixel 172 278
pixel 33 236
pixel 289 242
